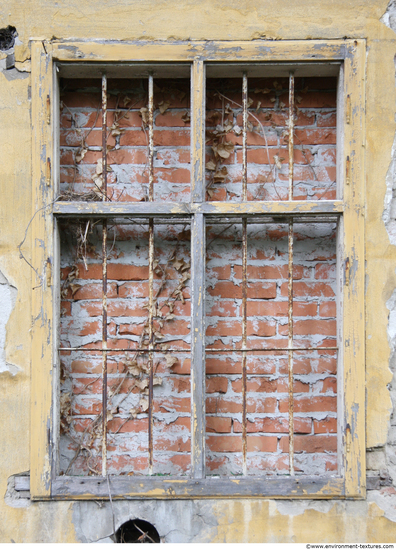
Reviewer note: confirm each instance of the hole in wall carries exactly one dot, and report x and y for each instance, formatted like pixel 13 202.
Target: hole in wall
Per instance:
pixel 7 37
pixel 137 530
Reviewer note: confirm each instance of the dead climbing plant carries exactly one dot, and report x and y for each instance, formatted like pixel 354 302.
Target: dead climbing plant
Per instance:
pixel 136 366
pixel 226 125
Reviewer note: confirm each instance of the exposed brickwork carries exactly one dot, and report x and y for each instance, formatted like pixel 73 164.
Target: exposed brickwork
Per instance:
pixel 314 289
pixel 315 382
pixel 268 158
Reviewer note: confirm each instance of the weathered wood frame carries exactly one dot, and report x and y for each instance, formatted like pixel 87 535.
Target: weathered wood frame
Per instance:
pixel 350 481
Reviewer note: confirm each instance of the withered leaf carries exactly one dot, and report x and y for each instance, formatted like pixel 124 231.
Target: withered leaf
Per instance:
pixel 81 154
pixel 157 381
pixel 170 361
pixel 144 114
pixel 224 150
pixel 186 117
pixel 228 127
pixel 220 175
pixel 144 404
pixel 74 288
pixel 237 130
pixel 278 162
pixel 210 165
pixel 142 384
pixel 163 106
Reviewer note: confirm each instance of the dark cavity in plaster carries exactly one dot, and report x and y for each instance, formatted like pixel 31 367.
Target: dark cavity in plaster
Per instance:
pixel 7 37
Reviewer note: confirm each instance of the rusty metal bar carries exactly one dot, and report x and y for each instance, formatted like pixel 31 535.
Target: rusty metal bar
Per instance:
pixel 104 279
pixel 244 342
pixel 151 136
pixel 290 352
pixel 244 269
pixel 290 277
pixel 151 271
pixel 291 134
pixel 151 337
pixel 171 350
pixel 244 135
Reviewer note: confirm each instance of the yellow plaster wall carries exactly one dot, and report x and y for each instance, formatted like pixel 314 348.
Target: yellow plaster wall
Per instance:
pixel 255 521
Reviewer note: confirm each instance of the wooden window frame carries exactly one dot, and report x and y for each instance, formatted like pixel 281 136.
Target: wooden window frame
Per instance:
pixel 46 56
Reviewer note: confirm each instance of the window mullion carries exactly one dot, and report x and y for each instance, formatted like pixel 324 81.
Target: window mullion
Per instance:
pixel 198 131
pixel 198 248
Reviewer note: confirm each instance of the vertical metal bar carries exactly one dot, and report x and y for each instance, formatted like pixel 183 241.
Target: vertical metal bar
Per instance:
pixel 198 131
pixel 104 280
pixel 290 277
pixel 151 337
pixel 151 270
pixel 244 342
pixel 198 250
pixel 244 272
pixel 151 137
pixel 290 352
pixel 291 134
pixel 244 135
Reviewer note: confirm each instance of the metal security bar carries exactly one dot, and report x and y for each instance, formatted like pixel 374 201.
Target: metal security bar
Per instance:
pixel 104 278
pixel 290 275
pixel 196 212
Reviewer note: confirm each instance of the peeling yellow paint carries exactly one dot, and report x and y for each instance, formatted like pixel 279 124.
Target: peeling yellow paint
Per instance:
pixel 237 520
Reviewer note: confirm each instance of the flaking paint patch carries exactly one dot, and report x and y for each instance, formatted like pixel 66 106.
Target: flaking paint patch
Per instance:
pixel 8 294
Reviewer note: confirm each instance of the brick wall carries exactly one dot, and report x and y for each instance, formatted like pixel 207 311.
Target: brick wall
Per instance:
pixel 315 373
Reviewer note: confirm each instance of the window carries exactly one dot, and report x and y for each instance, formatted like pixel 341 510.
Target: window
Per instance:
pixel 199 247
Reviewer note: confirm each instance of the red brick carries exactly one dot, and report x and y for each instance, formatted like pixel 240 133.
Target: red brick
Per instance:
pixel 261 385
pixel 264 444
pixel 260 404
pixel 174 156
pixel 216 405
pixel 220 272
pixel 310 444
pixel 324 364
pixel 261 290
pixel 171 119
pixel 267 308
pixel 225 290
pixel 216 385
pixel 326 119
pixel 182 462
pixel 218 424
pixel 310 404
pixel 311 327
pixel 328 309
pixel 319 136
pixel 302 289
pixel 172 443
pixel 328 385
pixel 172 404
pixel 224 443
pixel 223 308
pixel 261 328
pixel 328 425
pixel 131 426
pixel 222 365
